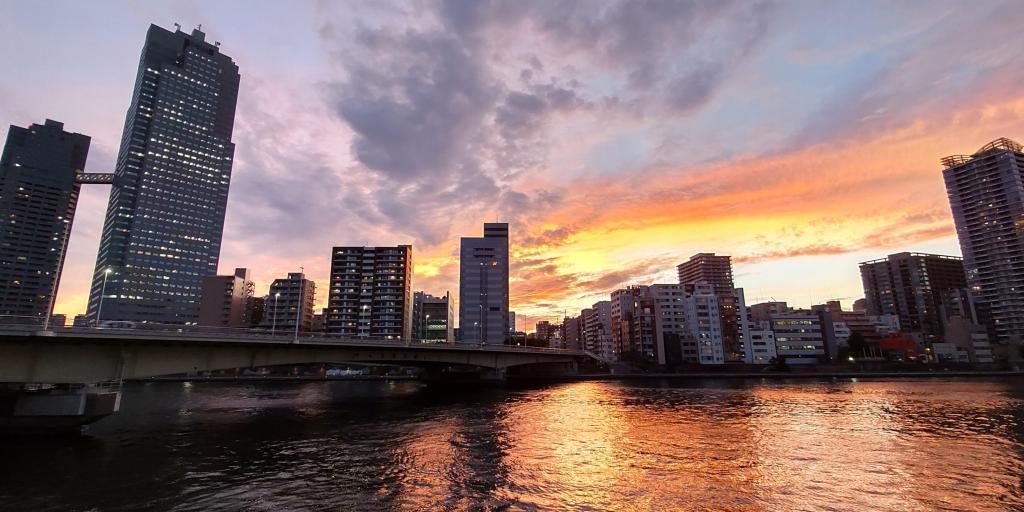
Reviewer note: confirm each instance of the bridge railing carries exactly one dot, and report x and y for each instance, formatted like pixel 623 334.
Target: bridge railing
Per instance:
pixel 257 334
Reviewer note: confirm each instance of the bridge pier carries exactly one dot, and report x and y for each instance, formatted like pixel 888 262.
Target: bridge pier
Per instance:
pixel 542 371
pixel 462 374
pixel 54 409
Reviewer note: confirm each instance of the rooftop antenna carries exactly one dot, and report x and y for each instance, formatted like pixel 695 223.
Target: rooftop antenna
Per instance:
pixel 177 26
pixel 200 27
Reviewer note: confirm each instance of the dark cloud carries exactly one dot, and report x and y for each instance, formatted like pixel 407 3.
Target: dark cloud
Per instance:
pixel 434 116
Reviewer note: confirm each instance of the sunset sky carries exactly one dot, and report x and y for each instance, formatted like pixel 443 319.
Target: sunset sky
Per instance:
pixel 617 138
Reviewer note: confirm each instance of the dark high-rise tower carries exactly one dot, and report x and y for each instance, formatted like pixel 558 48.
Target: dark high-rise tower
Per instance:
pixel 910 285
pixel 986 194
pixel 39 187
pixel 165 217
pixel 483 286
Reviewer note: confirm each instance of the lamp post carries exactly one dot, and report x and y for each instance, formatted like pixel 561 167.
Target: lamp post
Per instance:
pixel 56 276
pixel 299 308
pixel 426 324
pixel 103 291
pixel 481 329
pixel 362 318
pixel 273 317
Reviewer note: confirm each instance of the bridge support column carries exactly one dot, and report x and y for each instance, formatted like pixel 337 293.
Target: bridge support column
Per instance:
pixel 462 374
pixel 60 409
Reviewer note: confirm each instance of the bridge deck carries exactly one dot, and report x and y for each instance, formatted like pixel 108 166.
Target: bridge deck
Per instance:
pixel 96 355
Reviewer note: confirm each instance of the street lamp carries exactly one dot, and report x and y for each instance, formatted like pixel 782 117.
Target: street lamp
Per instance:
pixel 299 308
pixel 426 323
pixel 481 329
pixel 56 275
pixel 273 323
pixel 362 318
pixel 103 291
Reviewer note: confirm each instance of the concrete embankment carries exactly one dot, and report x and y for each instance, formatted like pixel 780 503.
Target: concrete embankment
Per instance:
pixel 793 375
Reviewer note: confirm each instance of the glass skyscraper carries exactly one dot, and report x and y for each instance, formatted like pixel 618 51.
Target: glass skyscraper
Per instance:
pixel 986 194
pixel 39 185
pixel 165 218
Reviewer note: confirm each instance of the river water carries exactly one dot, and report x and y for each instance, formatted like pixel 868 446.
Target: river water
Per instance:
pixel 658 445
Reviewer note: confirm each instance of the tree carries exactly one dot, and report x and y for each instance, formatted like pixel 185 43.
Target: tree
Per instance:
pixel 857 344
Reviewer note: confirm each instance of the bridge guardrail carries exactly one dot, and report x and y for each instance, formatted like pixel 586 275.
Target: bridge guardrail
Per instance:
pixel 143 330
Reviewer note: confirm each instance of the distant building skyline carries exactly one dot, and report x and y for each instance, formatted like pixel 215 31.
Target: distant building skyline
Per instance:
pixel 799 227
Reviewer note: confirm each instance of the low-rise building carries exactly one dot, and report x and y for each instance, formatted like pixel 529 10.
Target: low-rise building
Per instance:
pixel 432 317
pixel 762 342
pixel 290 302
pixel 799 338
pixel 224 300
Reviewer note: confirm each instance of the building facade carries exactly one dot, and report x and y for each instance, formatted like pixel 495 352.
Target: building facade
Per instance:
pixel 986 195
pixel 910 285
pixel 38 195
pixel 165 217
pixel 674 344
pixel 597 333
pixel 432 317
pixel 371 292
pixel 762 342
pixel 225 300
pixel 709 268
pixel 704 323
pixel 290 301
pixel 716 271
pixel 483 286
pixel 799 338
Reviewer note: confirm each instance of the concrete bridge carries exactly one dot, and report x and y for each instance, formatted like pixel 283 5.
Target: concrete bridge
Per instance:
pixel 56 380
pixel 87 355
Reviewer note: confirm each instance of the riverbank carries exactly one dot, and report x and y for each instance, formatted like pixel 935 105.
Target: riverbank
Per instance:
pixel 621 376
pixel 792 375
pixel 266 378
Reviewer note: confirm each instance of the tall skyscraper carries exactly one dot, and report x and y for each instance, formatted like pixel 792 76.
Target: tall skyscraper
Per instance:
pixel 910 285
pixel 716 271
pixel 986 194
pixel 165 217
pixel 483 286
pixel 38 193
pixel 371 292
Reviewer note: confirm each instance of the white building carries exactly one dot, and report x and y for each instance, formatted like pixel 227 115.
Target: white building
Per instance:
pixel 761 342
pixel 704 324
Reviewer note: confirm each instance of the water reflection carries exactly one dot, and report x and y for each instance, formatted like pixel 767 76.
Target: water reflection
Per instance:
pixel 688 445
